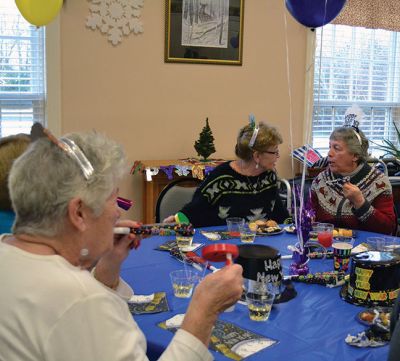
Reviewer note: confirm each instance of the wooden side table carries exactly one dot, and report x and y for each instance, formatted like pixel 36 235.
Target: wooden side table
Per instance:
pixel 155 178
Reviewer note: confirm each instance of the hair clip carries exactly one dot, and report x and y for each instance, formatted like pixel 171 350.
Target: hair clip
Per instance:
pixel 254 136
pixel 69 146
pixel 252 121
pixel 76 153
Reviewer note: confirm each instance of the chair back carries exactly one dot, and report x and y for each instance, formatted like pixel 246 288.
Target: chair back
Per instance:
pixel 174 196
pixel 285 193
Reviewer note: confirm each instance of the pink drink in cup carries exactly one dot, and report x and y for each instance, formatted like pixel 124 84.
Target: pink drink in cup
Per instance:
pixel 325 234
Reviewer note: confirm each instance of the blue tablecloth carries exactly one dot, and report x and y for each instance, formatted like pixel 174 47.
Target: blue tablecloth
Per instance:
pixel 310 327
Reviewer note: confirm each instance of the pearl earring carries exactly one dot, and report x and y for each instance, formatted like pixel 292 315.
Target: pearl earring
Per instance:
pixel 84 252
pixel 257 165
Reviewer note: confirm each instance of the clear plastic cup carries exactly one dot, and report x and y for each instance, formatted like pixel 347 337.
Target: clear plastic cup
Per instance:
pixel 234 224
pixel 259 305
pixel 325 234
pixel 183 241
pixel 375 243
pixel 391 244
pixel 183 282
pixel 247 234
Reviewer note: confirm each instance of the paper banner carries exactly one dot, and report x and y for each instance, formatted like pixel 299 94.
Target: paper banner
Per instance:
pixel 197 172
pixel 182 170
pixel 168 170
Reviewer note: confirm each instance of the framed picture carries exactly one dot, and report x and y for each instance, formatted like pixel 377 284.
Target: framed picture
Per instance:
pixel 204 31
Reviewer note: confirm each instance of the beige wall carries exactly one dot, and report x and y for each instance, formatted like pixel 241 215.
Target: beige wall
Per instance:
pixel 157 110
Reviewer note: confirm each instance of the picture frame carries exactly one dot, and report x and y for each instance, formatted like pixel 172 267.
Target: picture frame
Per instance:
pixel 204 31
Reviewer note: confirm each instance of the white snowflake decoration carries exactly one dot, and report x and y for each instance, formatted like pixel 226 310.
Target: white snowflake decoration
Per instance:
pixel 116 18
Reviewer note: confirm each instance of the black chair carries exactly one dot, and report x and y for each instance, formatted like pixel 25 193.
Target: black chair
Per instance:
pixel 174 196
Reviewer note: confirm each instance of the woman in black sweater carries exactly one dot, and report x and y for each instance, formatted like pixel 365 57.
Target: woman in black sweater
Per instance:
pixel 246 187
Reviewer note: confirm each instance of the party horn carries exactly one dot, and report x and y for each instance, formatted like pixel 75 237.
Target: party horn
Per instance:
pixel 181 256
pixel 158 229
pixel 197 259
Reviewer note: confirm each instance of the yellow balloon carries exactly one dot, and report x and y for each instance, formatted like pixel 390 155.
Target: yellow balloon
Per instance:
pixel 39 12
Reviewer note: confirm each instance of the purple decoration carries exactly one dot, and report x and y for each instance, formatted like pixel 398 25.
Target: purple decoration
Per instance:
pixel 124 203
pixel 299 265
pixel 168 170
pixel 300 270
pixel 305 217
pixel 315 13
pixel 207 169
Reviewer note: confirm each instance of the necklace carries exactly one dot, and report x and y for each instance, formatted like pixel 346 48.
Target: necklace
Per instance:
pixel 253 187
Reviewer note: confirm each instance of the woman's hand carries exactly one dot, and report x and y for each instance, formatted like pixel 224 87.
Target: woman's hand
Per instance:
pixel 353 194
pixel 109 266
pixel 170 219
pixel 214 294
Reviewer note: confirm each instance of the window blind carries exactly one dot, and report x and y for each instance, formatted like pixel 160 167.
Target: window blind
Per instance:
pixel 22 72
pixel 360 66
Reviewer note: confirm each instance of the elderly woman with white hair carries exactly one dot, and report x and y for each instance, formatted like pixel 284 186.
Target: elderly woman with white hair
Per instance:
pixel 350 193
pixel 54 304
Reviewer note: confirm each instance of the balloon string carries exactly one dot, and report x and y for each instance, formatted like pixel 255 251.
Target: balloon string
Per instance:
pixel 307 126
pixel 291 123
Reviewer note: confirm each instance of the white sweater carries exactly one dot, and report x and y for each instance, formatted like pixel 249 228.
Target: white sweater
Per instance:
pixel 51 310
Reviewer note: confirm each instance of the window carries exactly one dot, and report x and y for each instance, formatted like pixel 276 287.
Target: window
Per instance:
pixel 355 65
pixel 22 72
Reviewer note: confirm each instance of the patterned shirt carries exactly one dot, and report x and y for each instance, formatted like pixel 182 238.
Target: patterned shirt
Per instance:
pixel 226 193
pixel 376 214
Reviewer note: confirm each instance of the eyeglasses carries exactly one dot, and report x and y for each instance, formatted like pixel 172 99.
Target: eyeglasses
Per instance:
pixel 124 203
pixel 274 153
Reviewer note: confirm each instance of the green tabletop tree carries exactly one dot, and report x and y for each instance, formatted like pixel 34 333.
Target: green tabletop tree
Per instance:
pixel 205 144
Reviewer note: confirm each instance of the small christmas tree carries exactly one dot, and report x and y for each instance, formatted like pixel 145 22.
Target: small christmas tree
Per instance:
pixel 205 144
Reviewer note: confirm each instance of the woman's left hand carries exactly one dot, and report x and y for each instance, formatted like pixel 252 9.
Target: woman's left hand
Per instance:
pixel 353 194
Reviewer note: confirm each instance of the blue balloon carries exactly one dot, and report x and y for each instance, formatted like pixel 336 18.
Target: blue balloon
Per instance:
pixel 312 13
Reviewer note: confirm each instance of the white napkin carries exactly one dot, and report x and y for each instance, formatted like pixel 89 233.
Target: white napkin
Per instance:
pixel 141 298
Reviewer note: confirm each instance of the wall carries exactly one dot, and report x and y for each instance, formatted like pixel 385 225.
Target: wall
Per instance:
pixel 157 110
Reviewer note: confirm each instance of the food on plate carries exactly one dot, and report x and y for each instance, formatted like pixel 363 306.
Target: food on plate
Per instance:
pixel 271 223
pixel 342 232
pixel 253 226
pixel 265 226
pixel 367 316
pixel 376 315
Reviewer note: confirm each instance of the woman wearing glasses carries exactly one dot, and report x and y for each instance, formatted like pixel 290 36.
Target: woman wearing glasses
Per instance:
pixel 246 187
pixel 54 304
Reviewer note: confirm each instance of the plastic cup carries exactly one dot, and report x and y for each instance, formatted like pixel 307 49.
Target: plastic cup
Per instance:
pixel 325 234
pixel 391 244
pixel 234 224
pixel 341 253
pixel 259 305
pixel 247 234
pixel 183 241
pixel 375 243
pixel 313 233
pixel 183 282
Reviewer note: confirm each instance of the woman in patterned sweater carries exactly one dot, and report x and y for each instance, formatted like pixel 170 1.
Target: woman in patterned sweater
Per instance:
pixel 246 187
pixel 350 193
